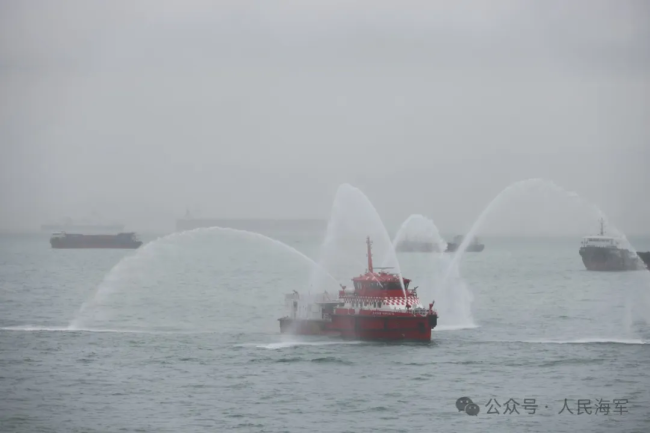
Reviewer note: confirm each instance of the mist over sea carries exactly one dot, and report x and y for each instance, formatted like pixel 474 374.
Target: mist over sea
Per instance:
pixel 182 335
pixel 299 129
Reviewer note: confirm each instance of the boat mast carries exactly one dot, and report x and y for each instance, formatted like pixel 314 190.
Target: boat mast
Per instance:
pixel 369 254
pixel 602 230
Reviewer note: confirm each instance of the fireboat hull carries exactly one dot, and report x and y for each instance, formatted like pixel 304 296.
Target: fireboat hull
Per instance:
pixel 364 327
pixel 359 327
pixel 306 327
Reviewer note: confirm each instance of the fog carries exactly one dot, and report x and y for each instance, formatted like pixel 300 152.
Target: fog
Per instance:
pixel 138 110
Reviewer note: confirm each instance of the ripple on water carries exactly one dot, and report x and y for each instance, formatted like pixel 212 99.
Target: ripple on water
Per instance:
pixel 570 361
pixel 248 377
pixel 332 360
pixel 289 360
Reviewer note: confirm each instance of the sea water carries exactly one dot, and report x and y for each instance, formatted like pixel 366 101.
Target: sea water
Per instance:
pixel 189 341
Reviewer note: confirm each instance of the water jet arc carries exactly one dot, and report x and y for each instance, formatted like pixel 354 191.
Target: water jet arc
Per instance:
pixel 337 221
pixel 102 290
pixel 497 200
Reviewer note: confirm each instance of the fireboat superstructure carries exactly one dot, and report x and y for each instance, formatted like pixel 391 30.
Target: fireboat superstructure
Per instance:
pixel 379 306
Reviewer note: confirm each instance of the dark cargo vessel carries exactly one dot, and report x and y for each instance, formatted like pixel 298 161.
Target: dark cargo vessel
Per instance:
pixel 71 240
pixel 426 246
pixel 645 257
pixel 474 247
pixel 417 246
pixel 607 253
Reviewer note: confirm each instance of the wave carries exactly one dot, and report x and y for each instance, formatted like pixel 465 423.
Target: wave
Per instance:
pixel 289 360
pixel 570 361
pixel 287 344
pixel 333 360
pixel 29 328
pixel 454 327
pixel 589 341
pixel 298 359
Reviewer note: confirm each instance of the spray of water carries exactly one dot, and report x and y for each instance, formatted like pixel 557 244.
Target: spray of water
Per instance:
pixel 353 217
pixel 526 186
pixel 636 301
pixel 150 250
pixel 421 228
pixel 453 296
pixel 453 300
pixel 508 193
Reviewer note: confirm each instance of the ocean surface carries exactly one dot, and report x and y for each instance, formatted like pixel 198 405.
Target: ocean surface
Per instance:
pixel 182 336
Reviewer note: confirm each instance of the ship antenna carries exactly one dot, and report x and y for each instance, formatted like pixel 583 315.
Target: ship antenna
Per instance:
pixel 602 230
pixel 369 243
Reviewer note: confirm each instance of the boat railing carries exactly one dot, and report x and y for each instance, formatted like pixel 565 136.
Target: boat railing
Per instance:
pixel 601 242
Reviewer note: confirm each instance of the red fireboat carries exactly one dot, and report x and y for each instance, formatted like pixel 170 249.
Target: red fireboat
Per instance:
pixel 375 309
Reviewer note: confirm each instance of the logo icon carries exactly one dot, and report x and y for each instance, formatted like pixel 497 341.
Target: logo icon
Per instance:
pixel 465 404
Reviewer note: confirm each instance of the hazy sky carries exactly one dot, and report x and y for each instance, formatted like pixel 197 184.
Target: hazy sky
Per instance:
pixel 262 109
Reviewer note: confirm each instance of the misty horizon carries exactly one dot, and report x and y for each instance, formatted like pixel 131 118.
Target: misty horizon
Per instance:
pixel 140 110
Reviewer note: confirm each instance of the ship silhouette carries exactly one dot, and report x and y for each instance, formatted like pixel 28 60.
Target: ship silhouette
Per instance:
pixel 607 253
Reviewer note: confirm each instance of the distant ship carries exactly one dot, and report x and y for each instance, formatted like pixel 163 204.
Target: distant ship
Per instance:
pixel 474 247
pixel 190 223
pixel 417 246
pixel 420 246
pixel 607 253
pixel 645 257
pixel 120 240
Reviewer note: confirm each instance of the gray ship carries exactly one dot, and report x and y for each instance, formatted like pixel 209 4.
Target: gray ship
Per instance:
pixel 607 253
